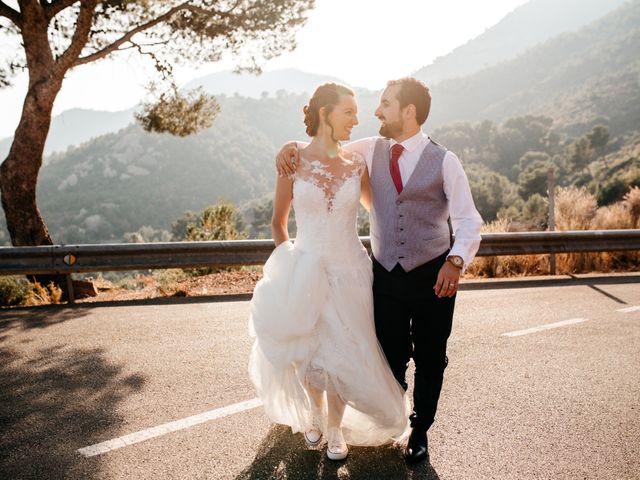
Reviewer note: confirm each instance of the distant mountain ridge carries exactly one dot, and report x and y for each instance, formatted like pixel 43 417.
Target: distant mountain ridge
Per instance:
pixel 268 83
pixel 526 26
pixel 578 79
pixel 77 125
pixel 536 21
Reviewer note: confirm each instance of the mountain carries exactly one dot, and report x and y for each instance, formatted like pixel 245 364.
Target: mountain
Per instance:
pixel 119 182
pixel 579 79
pixel 122 181
pixel 75 126
pixel 530 24
pixel 534 22
pixel 255 86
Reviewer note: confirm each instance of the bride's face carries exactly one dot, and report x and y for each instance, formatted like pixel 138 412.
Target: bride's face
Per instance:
pixel 343 118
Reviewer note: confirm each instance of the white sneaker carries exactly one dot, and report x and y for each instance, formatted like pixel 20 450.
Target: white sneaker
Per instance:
pixel 313 436
pixel 337 447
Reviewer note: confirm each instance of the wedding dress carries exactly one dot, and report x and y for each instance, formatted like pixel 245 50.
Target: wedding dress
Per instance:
pixel 312 315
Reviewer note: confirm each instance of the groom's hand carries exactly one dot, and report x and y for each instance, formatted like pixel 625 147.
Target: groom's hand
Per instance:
pixel 448 280
pixel 287 159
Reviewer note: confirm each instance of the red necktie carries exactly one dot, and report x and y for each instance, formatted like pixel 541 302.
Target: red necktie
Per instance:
pixel 396 151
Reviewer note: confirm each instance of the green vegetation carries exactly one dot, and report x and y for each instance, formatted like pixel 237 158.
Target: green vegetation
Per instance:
pixel 14 290
pixel 517 191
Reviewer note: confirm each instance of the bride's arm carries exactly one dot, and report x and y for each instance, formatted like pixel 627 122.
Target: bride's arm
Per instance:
pixel 281 207
pixel 365 190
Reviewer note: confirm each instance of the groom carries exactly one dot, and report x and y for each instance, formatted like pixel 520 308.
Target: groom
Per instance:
pixel 420 195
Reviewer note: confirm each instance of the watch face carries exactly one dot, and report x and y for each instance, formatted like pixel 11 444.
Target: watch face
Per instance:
pixel 457 261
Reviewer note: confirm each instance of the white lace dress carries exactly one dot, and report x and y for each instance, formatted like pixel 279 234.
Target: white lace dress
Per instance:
pixel 312 315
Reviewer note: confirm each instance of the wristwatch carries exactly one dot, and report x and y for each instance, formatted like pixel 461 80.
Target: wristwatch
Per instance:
pixel 456 260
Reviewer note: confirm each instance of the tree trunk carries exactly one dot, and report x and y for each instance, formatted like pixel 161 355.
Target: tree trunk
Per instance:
pixel 19 171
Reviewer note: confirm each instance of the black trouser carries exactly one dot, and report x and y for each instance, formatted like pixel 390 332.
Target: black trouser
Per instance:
pixel 411 321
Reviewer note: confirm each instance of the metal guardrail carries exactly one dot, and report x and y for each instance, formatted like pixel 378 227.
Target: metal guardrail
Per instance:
pixel 66 259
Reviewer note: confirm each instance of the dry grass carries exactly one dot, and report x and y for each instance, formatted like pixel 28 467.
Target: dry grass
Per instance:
pixel 39 295
pixel 575 209
pixel 506 265
pixel 632 202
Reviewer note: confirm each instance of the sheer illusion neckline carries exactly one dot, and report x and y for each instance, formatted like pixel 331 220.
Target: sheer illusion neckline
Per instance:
pixel 327 177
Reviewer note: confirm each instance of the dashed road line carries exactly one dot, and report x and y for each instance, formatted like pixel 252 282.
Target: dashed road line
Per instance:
pixel 153 432
pixel 629 309
pixel 540 328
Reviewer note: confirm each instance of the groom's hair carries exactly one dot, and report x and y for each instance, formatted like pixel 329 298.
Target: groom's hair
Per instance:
pixel 413 92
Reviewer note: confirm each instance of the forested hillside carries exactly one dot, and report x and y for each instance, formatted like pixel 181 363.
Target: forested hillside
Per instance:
pixel 578 79
pixel 120 182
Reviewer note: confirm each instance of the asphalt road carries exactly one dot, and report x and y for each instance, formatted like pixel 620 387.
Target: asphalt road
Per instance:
pixel 560 403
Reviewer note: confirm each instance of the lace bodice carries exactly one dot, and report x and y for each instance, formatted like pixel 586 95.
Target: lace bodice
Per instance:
pixel 325 200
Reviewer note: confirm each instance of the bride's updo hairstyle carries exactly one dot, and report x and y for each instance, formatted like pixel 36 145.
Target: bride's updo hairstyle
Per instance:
pixel 326 95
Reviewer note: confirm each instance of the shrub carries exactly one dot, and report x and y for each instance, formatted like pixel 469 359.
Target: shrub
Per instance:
pixel 632 202
pixel 13 290
pixel 19 291
pixel 574 208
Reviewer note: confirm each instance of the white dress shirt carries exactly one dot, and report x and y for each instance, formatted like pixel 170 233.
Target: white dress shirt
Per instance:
pixel 465 219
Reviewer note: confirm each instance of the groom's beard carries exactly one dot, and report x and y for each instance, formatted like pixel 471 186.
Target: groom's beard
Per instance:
pixel 391 130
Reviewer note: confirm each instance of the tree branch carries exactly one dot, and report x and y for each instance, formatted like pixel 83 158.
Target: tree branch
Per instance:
pixel 80 36
pixel 138 46
pixel 145 26
pixel 126 37
pixel 56 6
pixel 8 12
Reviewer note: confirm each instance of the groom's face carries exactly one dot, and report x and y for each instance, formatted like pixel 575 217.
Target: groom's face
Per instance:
pixel 389 113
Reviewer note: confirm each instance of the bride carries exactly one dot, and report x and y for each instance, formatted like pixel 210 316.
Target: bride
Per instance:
pixel 316 362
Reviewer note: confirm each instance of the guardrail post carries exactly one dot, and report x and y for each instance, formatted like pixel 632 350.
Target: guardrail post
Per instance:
pixel 70 294
pixel 552 215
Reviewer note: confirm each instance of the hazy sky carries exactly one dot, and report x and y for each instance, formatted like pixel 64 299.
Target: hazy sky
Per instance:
pixel 355 40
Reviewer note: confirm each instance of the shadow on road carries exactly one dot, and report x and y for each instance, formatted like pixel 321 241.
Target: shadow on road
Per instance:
pixel 83 306
pixel 285 456
pixel 26 318
pixel 52 403
pixel 567 280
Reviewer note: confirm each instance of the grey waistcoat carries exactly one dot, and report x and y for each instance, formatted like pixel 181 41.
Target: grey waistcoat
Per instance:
pixel 412 227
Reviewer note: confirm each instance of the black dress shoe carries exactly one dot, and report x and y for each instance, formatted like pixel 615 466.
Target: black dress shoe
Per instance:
pixel 417 447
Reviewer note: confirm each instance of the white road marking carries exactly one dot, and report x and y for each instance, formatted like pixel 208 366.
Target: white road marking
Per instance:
pixel 540 328
pixel 142 435
pixel 629 309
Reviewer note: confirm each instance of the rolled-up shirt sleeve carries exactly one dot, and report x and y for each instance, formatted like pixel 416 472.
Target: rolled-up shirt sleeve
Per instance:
pixel 465 219
pixel 365 147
